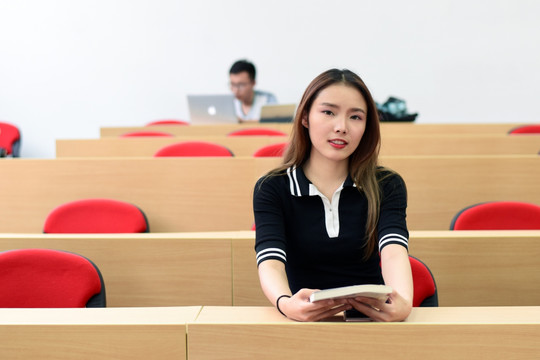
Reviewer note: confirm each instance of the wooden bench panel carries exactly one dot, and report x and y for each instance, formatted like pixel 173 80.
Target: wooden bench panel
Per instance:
pixel 148 269
pixel 387 128
pixel 215 194
pixel 247 145
pixel 148 146
pixel 429 333
pixel 482 268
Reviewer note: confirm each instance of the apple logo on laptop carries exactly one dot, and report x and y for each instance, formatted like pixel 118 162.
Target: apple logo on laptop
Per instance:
pixel 212 110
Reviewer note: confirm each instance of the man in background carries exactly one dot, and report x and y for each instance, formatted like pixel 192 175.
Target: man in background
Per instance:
pixel 248 101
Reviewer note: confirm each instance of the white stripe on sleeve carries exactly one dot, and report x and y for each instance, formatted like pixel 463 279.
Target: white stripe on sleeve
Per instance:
pixel 393 238
pixel 271 252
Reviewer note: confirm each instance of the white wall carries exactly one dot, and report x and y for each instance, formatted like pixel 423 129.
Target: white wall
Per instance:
pixel 69 67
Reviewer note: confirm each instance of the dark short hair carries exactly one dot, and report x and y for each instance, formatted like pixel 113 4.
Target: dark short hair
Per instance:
pixel 241 66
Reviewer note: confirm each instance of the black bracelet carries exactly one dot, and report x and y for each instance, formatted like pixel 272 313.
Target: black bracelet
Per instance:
pixel 277 304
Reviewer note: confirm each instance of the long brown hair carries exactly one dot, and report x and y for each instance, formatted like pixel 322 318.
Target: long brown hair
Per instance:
pixel 363 166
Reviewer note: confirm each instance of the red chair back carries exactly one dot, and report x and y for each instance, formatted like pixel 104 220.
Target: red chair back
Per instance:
pixel 167 122
pixel 272 150
pixel 526 129
pixel 96 216
pixel 42 278
pixel 425 289
pixel 498 215
pixel 257 131
pixel 193 148
pixel 10 138
pixel 146 133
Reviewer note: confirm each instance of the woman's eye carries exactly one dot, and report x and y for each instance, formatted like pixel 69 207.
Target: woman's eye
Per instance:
pixel 356 117
pixel 327 112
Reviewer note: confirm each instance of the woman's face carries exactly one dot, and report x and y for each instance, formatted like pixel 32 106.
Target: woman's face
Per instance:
pixel 336 122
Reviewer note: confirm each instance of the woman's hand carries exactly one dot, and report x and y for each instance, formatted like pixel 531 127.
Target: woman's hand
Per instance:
pixel 395 309
pixel 298 307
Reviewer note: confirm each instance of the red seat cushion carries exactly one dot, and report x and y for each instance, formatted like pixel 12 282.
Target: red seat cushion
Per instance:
pixel 32 278
pixel 167 122
pixel 273 150
pixel 498 215
pixel 257 131
pixel 423 283
pixel 194 148
pixel 526 129
pixel 96 216
pixel 146 133
pixel 9 135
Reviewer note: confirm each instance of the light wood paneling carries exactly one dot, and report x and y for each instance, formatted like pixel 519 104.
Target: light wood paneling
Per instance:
pixel 176 194
pixel 182 130
pixel 247 145
pixel 439 333
pixel 106 333
pixel 148 146
pixel 387 128
pixel 149 269
pixel 440 186
pixel 471 268
pixel 215 194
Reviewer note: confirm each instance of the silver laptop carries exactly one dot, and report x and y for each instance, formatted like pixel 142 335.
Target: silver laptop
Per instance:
pixel 277 113
pixel 211 109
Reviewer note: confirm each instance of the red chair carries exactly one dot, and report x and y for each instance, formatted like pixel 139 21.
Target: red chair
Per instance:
pixel 498 215
pixel 193 148
pixel 167 122
pixel 257 132
pixel 272 150
pixel 96 216
pixel 146 133
pixel 525 129
pixel 10 140
pixel 424 287
pixel 42 278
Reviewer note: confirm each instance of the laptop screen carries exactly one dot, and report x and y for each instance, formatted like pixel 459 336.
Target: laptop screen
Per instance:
pixel 211 109
pixel 277 113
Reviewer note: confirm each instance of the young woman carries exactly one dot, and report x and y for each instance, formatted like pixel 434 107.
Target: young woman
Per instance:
pixel 330 216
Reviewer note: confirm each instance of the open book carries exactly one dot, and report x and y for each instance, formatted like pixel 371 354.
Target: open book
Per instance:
pixel 380 292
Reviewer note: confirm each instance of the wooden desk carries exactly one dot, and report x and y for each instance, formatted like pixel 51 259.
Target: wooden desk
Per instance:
pixel 394 145
pixel 440 186
pixel 262 333
pixel 97 333
pixel 149 269
pixel 148 146
pixel 459 144
pixel 471 268
pixel 176 194
pixel 205 130
pixel 428 333
pixel 387 128
pixel 215 194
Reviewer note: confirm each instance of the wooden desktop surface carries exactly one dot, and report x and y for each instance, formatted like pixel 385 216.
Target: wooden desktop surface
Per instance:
pixel 95 333
pixel 419 315
pixel 438 144
pixel 215 194
pixel 428 333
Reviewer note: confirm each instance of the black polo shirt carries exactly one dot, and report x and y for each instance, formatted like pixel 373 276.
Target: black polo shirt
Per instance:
pixel 322 242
